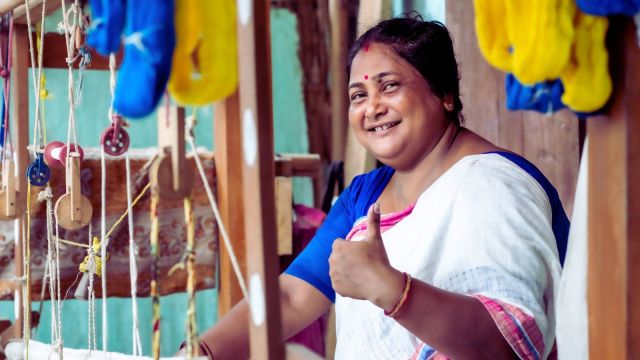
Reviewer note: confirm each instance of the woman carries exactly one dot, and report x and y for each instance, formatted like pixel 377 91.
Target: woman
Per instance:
pixel 464 261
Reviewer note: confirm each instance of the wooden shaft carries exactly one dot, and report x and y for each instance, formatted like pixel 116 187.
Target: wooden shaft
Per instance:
pixel 258 177
pixel 20 130
pixel 614 206
pixel 228 154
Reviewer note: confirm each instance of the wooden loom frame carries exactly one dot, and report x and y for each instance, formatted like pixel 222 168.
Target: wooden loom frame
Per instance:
pixel 614 201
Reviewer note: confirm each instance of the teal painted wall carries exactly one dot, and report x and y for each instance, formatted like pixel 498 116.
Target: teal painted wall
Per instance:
pixel 290 136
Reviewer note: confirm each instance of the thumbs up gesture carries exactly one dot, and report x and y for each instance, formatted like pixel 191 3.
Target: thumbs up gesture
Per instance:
pixel 361 269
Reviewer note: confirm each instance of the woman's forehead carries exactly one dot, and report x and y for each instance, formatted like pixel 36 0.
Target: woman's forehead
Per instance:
pixel 375 59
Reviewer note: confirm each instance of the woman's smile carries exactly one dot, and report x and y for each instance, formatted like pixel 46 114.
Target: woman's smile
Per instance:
pixel 384 128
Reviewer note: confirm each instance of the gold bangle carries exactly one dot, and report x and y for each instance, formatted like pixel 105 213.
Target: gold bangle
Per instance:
pixel 405 294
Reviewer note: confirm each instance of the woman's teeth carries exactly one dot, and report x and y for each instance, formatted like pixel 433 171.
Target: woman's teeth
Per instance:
pixel 385 127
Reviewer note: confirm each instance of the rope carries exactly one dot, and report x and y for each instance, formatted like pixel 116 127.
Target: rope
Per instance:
pixel 191 279
pixel 69 41
pixel 155 272
pixel 92 269
pixel 103 247
pixel 214 208
pixel 37 81
pixel 7 91
pixel 133 266
pixel 26 287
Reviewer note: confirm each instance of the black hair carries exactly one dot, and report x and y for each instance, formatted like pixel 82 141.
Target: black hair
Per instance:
pixel 427 46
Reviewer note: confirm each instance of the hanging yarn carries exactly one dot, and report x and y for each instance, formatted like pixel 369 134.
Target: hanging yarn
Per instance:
pixel 155 271
pixel 208 30
pixel 133 268
pixel 214 207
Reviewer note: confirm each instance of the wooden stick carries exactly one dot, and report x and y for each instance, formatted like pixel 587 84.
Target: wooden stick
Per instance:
pixel 258 177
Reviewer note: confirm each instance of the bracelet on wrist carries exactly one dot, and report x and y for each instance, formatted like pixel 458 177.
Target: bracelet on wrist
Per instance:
pixel 204 348
pixel 403 299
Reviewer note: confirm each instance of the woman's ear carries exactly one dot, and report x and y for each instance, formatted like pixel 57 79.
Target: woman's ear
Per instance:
pixel 448 102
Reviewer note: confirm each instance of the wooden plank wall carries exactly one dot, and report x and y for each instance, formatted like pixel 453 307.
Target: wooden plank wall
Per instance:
pixel 614 207
pixel 552 143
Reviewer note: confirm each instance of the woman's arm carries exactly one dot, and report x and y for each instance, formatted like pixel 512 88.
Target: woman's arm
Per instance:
pixel 301 304
pixel 456 325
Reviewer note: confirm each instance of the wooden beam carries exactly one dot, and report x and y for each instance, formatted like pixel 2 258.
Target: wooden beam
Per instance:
pixel 258 178
pixel 339 17
pixel 614 206
pixel 9 5
pixel 55 54
pixel 20 132
pixel 228 154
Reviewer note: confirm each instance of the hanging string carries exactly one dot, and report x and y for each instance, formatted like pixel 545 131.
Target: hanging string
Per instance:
pixel 155 274
pixel 38 142
pixel 214 207
pixel 92 269
pixel 103 246
pixel 191 275
pixel 70 44
pixel 26 288
pixel 6 72
pixel 133 266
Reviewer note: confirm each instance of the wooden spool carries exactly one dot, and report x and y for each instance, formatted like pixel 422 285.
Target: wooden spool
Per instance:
pixel 73 210
pixel 170 175
pixel 10 208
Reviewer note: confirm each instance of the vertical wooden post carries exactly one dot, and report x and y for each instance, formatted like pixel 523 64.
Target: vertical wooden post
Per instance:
pixel 339 17
pixel 20 131
pixel 614 206
pixel 228 155
pixel 254 54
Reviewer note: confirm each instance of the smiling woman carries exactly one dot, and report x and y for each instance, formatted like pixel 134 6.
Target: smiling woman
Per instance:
pixel 453 248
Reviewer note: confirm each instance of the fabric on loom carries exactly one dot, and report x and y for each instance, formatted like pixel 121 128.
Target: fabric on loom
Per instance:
pixel 38 350
pixel 586 79
pixel 149 43
pixel 544 97
pixel 438 244
pixel 107 23
pixel 208 28
pixel 609 7
pixel 172 238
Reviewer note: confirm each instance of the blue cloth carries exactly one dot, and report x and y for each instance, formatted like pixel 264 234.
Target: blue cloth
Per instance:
pixel 609 7
pixel 544 97
pixel 312 264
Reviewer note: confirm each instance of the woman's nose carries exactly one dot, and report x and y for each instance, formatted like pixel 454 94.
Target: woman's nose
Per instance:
pixel 375 108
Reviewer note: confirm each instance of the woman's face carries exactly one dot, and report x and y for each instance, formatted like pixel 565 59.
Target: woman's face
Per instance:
pixel 392 111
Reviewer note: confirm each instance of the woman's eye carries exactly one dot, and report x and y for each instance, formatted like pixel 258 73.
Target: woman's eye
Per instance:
pixel 389 86
pixel 357 97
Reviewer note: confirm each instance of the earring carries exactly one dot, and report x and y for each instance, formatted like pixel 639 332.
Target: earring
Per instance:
pixel 448 106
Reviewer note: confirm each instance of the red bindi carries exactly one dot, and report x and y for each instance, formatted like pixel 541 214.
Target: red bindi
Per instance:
pixel 366 77
pixel 365 47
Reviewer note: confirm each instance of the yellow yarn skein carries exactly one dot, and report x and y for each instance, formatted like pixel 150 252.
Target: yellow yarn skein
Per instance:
pixel 206 30
pixel 586 79
pixel 491 30
pixel 542 33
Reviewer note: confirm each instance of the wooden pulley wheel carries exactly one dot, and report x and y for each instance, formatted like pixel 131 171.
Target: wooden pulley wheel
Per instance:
pixel 73 210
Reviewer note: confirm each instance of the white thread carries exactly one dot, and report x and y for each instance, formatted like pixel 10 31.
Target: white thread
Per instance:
pixel 133 266
pixel 103 248
pixel 214 207
pixel 69 41
pixel 91 308
pixel 37 82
